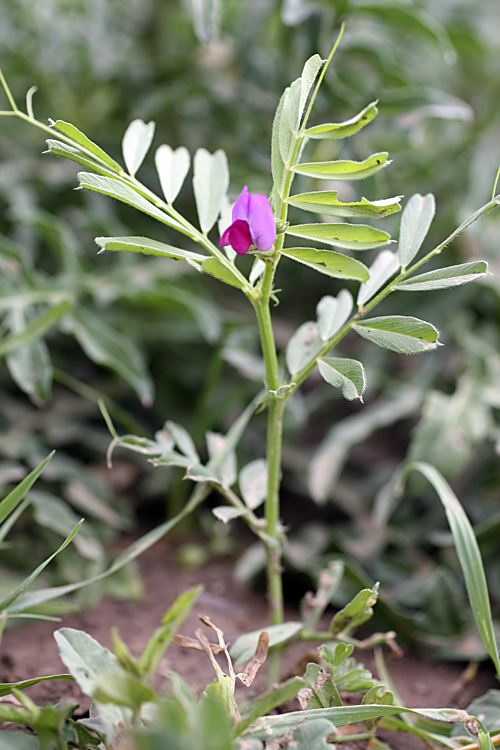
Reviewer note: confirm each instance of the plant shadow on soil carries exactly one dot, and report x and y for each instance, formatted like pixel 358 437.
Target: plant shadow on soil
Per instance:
pixel 30 650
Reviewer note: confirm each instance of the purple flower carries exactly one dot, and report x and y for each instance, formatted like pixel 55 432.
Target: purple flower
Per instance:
pixel 253 224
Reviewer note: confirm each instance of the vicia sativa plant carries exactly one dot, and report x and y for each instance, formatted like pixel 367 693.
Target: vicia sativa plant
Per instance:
pixel 262 229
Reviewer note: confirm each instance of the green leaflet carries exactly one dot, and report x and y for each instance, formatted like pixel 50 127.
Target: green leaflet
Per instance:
pixel 399 333
pixel 58 148
pixel 347 236
pixel 344 169
pixel 136 142
pixel 328 262
pixel 332 313
pixel 82 140
pixel 147 247
pixel 444 278
pixel 245 646
pixel 12 500
pixel 219 271
pixel 172 167
pixel 326 202
pixel 35 330
pixel 210 184
pixel 344 129
pixel 415 222
pixel 122 192
pixel 347 374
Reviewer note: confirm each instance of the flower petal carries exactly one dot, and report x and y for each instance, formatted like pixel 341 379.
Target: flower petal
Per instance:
pixel 261 221
pixel 238 236
pixel 242 206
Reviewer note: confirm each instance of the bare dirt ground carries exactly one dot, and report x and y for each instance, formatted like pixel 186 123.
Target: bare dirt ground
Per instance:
pixel 30 650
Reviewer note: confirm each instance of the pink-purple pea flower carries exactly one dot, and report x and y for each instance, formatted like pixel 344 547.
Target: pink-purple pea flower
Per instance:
pixel 253 224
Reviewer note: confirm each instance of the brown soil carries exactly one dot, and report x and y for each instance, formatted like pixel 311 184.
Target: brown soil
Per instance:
pixel 30 650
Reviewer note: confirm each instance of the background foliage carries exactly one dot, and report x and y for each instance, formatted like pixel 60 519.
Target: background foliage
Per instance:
pixel 210 74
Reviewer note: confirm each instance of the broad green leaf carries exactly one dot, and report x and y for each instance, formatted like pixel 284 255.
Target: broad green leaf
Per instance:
pixel 399 333
pixel 344 129
pixel 245 646
pixel 107 346
pixel 444 278
pixel 87 660
pixel 210 184
pixel 82 140
pixel 468 554
pixel 302 347
pixel 415 222
pixel 272 698
pixel 52 513
pixel 172 167
pixel 33 331
pixel 226 513
pixel 328 262
pixel 320 691
pixel 148 247
pixel 7 687
pixel 269 727
pixel 313 736
pixel 12 500
pixel 347 236
pixel 326 202
pixel 122 192
pixel 17 740
pixel 354 614
pixel 135 144
pixel 123 690
pixel 59 148
pixel 30 365
pixel 344 169
pixel 332 313
pixel 21 588
pixel 385 265
pixel 222 272
pixel 253 483
pixel 488 707
pixel 347 374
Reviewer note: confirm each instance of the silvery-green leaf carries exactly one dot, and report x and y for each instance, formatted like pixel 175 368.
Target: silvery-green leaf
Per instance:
pixel 302 347
pixel 225 221
pixel 108 346
pixel 172 167
pixel 210 184
pixel 226 513
pixel 147 247
pixel 332 313
pixel 30 365
pixel 122 192
pixel 228 469
pixel 328 262
pixel 399 333
pixel 445 278
pixel 277 164
pixel 415 222
pixel 347 236
pixel 245 646
pixel 258 269
pixel 385 265
pixel 183 440
pixel 136 142
pixel 253 483
pixel 207 19
pixel 307 79
pixel 344 169
pixel 64 150
pixel 289 116
pixel 347 374
pixel 344 129
pixel 326 202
